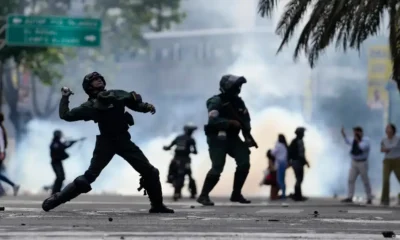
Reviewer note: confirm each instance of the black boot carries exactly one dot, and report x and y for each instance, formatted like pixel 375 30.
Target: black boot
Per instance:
pixel 177 193
pixel 152 186
pixel 192 188
pixel 209 184
pixel 57 186
pixel 67 194
pixel 298 196
pixel 238 182
pixel 205 201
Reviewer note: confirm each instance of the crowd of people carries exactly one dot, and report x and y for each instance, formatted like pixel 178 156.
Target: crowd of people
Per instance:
pixel 227 117
pixel 283 156
pixel 280 158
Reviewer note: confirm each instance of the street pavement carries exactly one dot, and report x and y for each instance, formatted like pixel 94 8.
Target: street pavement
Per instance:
pixel 121 217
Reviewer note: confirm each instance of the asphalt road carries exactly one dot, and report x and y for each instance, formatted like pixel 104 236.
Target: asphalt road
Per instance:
pixel 118 217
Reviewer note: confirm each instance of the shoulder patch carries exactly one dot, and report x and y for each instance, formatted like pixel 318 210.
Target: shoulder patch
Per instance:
pixel 136 96
pixel 213 114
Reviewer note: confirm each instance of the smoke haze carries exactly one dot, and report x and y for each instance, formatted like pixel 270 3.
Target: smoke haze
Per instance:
pixel 274 94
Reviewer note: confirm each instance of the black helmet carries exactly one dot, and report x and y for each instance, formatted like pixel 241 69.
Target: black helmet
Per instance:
pixel 190 127
pixel 57 133
pixel 87 80
pixel 231 84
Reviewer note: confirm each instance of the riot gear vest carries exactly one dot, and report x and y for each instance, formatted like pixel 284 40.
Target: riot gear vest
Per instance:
pixel 183 145
pixel 237 109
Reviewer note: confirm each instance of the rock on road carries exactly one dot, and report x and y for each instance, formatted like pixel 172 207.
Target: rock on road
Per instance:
pixel 121 217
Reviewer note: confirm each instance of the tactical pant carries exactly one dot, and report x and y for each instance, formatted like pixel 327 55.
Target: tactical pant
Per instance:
pixel 389 166
pixel 183 169
pixel 218 149
pixel 172 171
pixel 298 168
pixel 104 151
pixel 60 176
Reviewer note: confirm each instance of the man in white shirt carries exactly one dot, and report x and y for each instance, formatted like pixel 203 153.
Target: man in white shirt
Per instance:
pixel 360 148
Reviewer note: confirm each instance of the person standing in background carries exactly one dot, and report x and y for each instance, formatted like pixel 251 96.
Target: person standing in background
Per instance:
pixel 269 177
pixel 58 155
pixel 3 147
pixel 360 148
pixel 180 164
pixel 391 147
pixel 297 155
pixel 280 153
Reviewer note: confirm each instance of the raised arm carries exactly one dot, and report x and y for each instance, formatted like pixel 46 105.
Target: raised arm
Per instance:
pixel 347 140
pixel 76 114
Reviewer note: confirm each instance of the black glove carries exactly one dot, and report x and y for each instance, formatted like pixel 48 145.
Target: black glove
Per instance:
pixel 149 108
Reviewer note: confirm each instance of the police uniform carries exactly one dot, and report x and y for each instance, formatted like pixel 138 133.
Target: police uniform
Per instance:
pixel 58 155
pixel 107 109
pixel 180 165
pixel 223 138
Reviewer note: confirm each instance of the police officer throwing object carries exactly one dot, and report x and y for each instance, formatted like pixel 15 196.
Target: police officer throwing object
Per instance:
pixel 58 154
pixel 107 109
pixel 180 164
pixel 227 116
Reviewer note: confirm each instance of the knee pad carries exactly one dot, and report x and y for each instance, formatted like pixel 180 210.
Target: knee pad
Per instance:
pixel 214 174
pixel 151 174
pixel 82 184
pixel 216 171
pixel 149 180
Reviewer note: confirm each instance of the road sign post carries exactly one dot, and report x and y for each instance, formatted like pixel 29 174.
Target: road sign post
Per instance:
pixel 44 31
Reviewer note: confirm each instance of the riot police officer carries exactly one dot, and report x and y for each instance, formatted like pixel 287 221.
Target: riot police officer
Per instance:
pixel 58 155
pixel 180 164
pixel 227 116
pixel 107 109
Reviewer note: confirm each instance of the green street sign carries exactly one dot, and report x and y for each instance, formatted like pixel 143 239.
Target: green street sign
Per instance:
pixel 45 31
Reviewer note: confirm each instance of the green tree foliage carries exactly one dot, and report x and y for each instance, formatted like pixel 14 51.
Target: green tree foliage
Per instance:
pixel 125 20
pixel 348 23
pixel 123 24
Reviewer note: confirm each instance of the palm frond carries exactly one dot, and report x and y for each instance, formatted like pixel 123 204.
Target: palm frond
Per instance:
pixel 394 40
pixel 367 20
pixel 334 21
pixel 294 12
pixel 320 8
pixel 266 7
pixel 344 28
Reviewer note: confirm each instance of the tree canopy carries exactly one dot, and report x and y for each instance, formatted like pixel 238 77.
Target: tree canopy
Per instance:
pixel 124 21
pixel 347 23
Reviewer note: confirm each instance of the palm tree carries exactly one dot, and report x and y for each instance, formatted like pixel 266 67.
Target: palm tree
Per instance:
pixel 348 23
